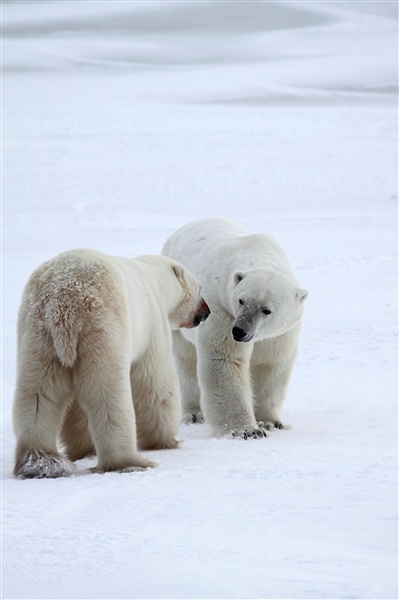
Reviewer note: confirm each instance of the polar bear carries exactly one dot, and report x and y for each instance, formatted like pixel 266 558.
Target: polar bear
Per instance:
pixel 235 369
pixel 95 360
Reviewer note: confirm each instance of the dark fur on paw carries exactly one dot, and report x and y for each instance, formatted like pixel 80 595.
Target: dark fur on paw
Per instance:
pixel 272 424
pixel 249 433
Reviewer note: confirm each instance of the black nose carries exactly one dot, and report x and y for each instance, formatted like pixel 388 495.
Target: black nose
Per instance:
pixel 202 315
pixel 238 334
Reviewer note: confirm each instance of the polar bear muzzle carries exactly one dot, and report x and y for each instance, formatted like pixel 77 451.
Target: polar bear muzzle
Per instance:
pixel 198 316
pixel 240 335
pixel 245 326
pixel 202 314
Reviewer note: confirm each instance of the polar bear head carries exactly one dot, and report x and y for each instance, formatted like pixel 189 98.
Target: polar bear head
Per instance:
pixel 179 291
pixel 265 304
pixel 190 308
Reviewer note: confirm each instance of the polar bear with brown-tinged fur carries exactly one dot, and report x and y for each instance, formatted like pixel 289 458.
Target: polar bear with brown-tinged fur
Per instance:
pixel 95 362
pixel 235 370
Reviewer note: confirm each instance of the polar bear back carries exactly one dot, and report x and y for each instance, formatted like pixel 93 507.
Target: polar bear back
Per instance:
pixel 80 285
pixel 228 246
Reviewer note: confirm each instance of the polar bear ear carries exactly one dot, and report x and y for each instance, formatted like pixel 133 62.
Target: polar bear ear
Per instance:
pixel 301 295
pixel 179 272
pixel 238 276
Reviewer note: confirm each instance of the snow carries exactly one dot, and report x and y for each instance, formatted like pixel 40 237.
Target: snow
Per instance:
pixel 121 122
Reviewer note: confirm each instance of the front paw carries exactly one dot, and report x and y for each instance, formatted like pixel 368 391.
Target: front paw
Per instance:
pixel 249 433
pixel 193 417
pixel 273 425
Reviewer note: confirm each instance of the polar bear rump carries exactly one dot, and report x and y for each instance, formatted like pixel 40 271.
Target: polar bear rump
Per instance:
pixel 94 361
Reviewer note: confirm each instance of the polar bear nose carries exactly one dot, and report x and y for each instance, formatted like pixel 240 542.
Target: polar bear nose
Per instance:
pixel 238 334
pixel 202 314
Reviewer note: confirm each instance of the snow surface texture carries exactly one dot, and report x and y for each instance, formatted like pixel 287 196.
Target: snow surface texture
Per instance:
pixel 123 121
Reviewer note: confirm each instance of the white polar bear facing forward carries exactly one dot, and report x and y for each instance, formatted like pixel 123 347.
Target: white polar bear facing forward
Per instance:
pixel 236 368
pixel 95 361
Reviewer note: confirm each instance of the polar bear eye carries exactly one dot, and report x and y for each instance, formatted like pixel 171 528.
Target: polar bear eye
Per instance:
pixel 241 301
pixel 266 311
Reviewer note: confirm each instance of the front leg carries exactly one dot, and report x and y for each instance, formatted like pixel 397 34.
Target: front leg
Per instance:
pixel 186 363
pixel 270 379
pixel 224 378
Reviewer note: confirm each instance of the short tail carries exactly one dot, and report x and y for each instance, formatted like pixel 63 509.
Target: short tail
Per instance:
pixel 64 322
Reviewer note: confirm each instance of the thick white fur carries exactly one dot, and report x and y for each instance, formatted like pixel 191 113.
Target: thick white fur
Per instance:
pixel 239 385
pixel 95 362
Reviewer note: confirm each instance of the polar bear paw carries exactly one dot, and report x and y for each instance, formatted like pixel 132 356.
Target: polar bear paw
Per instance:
pixel 135 468
pixel 193 417
pixel 249 433
pixel 128 468
pixel 38 464
pixel 273 425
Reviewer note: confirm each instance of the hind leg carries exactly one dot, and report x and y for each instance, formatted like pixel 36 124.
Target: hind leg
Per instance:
pixel 156 397
pixel 102 386
pixel 186 362
pixel 75 433
pixel 42 393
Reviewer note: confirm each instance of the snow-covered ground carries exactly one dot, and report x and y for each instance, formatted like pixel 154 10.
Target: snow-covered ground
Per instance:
pixel 121 122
